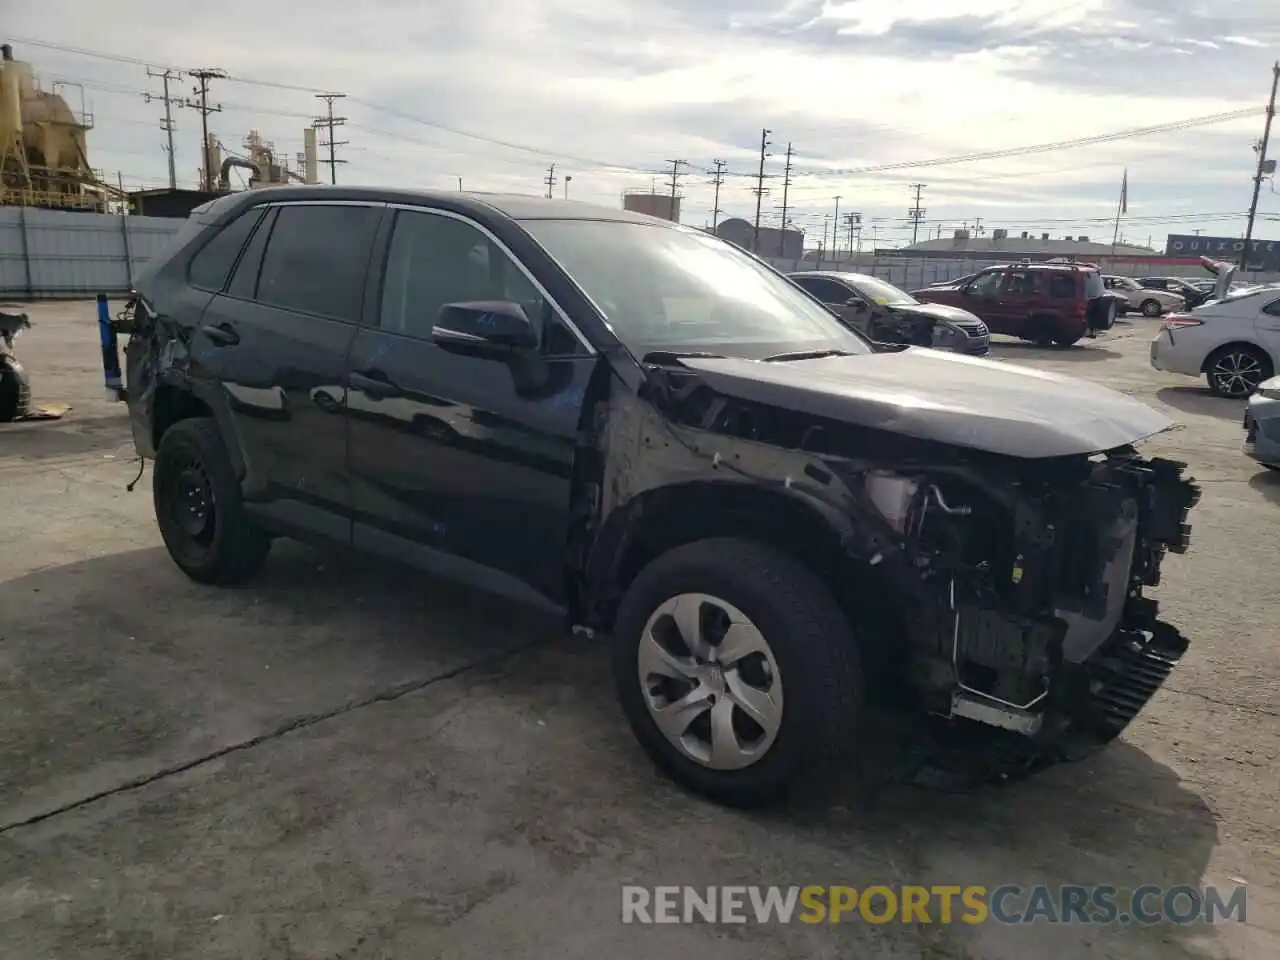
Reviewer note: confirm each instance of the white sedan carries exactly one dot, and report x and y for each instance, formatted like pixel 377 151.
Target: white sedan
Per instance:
pixel 1148 301
pixel 1234 343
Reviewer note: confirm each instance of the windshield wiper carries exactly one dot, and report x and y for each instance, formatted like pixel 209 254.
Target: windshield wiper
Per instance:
pixel 806 355
pixel 671 356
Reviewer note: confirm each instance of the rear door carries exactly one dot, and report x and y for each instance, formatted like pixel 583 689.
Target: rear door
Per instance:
pixel 461 464
pixel 277 338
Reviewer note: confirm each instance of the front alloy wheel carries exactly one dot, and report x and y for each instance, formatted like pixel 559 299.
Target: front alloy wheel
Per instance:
pixel 1236 373
pixel 711 681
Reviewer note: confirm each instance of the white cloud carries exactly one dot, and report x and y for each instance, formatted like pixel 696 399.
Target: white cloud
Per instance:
pixel 638 83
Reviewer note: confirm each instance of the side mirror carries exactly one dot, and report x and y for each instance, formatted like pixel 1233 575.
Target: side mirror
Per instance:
pixel 856 304
pixel 484 328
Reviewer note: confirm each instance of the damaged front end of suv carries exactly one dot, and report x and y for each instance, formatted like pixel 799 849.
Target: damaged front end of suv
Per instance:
pixel 991 560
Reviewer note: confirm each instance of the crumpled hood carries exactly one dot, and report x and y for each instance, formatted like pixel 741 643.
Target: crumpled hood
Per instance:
pixel 935 311
pixel 932 395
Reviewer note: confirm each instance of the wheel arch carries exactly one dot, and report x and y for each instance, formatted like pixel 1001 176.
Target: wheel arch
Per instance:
pixel 175 402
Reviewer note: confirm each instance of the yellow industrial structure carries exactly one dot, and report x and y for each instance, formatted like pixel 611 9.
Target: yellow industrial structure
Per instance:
pixel 43 159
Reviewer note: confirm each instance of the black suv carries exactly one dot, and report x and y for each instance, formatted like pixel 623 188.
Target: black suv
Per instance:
pixel 651 430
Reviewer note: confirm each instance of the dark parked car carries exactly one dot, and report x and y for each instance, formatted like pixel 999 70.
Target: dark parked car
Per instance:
pixel 1043 302
pixel 1190 292
pixel 883 313
pixel 775 523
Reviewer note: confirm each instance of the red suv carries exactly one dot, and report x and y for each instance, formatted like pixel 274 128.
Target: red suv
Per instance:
pixel 1043 302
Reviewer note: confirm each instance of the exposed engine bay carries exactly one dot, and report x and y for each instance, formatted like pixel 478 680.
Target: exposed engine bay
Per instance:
pixel 1000 595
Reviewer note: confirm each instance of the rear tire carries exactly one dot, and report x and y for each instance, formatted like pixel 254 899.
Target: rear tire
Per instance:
pixel 1234 371
pixel 1151 308
pixel 15 391
pixel 801 677
pixel 1067 339
pixel 198 507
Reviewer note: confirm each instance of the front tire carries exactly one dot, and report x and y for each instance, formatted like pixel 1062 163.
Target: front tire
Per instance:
pixel 736 670
pixel 1234 371
pixel 198 507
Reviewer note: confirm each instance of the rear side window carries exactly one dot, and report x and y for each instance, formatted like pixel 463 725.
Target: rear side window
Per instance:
pixel 1023 283
pixel 1062 286
pixel 212 263
pixel 828 291
pixel 316 259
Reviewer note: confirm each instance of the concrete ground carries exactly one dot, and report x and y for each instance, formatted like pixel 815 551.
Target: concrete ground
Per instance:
pixel 347 760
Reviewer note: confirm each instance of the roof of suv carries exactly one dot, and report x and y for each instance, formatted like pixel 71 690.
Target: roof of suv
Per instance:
pixel 515 206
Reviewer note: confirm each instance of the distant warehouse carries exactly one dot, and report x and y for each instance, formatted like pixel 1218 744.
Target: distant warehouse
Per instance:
pixel 1042 247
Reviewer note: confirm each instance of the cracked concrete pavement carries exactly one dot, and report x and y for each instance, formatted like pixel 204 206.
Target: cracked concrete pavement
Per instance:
pixel 347 759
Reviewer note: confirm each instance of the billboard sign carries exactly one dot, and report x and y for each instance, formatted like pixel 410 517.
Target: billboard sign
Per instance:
pixel 1266 253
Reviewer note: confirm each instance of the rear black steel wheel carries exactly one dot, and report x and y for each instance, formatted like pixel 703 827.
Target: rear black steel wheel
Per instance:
pixel 198 507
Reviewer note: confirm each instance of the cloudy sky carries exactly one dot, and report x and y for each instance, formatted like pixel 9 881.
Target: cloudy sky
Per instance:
pixel 612 91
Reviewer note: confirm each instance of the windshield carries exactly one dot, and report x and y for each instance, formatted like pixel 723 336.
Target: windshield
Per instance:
pixel 881 292
pixel 681 291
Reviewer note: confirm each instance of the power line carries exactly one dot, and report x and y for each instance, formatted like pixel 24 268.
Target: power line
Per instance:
pixel 717 178
pixel 204 75
pixel 759 190
pixel 916 213
pixel 167 123
pixel 332 122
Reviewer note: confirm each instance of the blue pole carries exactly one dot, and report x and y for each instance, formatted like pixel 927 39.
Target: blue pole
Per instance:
pixel 110 350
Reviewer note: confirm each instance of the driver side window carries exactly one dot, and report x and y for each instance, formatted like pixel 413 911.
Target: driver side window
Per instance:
pixel 986 284
pixel 434 260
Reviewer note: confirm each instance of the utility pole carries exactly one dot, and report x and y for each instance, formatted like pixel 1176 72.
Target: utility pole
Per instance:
pixel 204 75
pixel 835 233
pixel 786 186
pixel 167 123
pixel 717 178
pixel 550 181
pixel 332 122
pixel 1262 165
pixel 916 213
pixel 759 191
pixel 675 182
pixel 567 180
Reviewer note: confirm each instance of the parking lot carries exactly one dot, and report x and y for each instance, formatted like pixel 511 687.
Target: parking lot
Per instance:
pixel 350 760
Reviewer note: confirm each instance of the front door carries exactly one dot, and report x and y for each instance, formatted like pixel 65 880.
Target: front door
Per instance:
pixel 458 463
pixel 983 297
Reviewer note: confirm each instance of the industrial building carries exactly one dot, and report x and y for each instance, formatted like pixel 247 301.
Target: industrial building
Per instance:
pixel 1040 246
pixel 43 158
pixel 652 203
pixel 784 244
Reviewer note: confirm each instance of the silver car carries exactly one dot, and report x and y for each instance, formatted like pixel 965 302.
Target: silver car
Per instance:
pixel 1262 424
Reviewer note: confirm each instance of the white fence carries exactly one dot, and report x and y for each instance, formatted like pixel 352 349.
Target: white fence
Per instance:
pixel 55 253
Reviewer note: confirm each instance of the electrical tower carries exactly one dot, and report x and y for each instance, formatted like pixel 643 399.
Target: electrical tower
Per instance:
pixel 717 178
pixel 675 182
pixel 917 212
pixel 759 190
pixel 332 122
pixel 786 188
pixel 550 181
pixel 167 123
pixel 853 219
pixel 204 75
pixel 1262 168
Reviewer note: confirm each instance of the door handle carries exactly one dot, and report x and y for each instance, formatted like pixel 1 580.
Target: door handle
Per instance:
pixel 222 334
pixel 378 388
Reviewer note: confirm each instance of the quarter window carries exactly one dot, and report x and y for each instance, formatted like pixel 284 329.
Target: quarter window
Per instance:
pixel 435 260
pixel 1272 308
pixel 316 259
pixel 212 263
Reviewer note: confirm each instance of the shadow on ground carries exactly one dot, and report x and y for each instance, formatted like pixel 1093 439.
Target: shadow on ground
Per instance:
pixel 1200 401
pixel 70 436
pixel 1268 482
pixel 1083 352
pixel 505 806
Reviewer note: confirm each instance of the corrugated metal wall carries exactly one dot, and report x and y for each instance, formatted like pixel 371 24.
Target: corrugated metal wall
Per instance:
pixel 55 253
